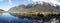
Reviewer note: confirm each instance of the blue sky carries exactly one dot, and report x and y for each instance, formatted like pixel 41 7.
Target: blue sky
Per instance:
pixel 7 4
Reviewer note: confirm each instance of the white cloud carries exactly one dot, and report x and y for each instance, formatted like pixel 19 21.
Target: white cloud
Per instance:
pixel 48 1
pixel 3 8
pixel 10 2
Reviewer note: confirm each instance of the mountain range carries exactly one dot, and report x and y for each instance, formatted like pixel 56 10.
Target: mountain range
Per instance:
pixel 38 7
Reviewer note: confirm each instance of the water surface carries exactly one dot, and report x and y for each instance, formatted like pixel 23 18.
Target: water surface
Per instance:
pixel 8 18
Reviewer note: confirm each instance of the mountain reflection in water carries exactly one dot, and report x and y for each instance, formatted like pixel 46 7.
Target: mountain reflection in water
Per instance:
pixel 8 18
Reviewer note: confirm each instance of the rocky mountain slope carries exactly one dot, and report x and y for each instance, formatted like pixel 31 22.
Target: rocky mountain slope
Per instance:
pixel 45 7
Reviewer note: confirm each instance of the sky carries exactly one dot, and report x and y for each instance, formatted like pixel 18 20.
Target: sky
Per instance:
pixel 7 4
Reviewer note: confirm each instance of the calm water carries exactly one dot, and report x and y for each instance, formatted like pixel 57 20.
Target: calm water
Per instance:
pixel 7 18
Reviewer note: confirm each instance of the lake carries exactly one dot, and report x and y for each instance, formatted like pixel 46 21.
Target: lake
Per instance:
pixel 8 18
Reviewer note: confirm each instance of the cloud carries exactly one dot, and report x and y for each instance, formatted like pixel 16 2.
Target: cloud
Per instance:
pixel 10 2
pixel 48 1
pixel 3 8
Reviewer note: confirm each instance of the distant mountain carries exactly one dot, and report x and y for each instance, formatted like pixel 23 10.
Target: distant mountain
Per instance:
pixel 58 7
pixel 45 7
pixel 1 10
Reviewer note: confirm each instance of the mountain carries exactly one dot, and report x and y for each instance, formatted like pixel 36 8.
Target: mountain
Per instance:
pixel 31 9
pixel 57 7
pixel 1 10
pixel 46 7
